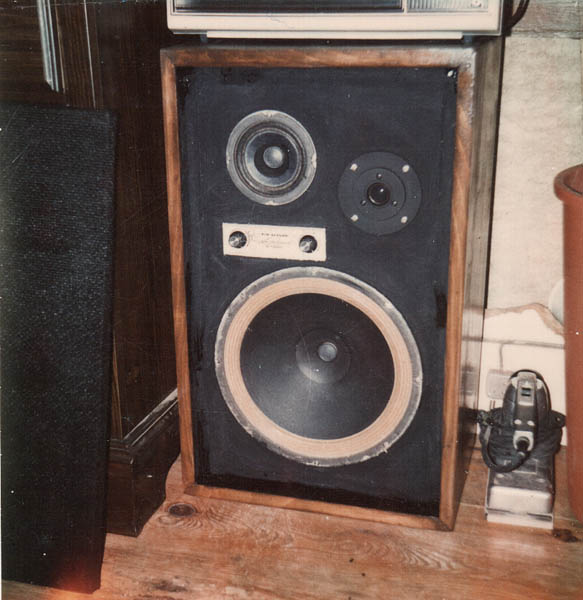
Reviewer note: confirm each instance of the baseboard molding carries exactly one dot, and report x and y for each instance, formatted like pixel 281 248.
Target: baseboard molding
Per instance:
pixel 138 466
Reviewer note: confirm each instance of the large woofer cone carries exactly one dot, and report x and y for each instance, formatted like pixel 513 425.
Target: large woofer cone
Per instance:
pixel 319 366
pixel 271 157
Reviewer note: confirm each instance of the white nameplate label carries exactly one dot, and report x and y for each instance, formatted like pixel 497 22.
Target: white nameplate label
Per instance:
pixel 274 241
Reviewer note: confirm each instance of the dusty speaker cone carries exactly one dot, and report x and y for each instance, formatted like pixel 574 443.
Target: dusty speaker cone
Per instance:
pixel 318 365
pixel 271 157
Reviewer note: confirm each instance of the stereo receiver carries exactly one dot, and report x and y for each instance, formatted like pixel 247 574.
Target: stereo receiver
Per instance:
pixel 357 19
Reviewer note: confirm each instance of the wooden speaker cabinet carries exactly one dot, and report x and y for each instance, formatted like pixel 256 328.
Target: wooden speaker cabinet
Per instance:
pixel 329 213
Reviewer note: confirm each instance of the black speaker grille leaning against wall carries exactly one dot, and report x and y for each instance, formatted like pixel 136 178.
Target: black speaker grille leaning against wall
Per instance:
pixel 56 186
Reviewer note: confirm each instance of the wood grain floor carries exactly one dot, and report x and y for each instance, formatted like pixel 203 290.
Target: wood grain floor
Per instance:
pixel 232 551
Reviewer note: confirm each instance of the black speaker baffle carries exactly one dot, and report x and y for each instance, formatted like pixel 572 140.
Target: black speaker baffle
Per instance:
pixel 379 192
pixel 318 365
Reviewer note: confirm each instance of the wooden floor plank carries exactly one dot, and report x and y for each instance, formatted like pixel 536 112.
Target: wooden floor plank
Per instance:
pixel 226 550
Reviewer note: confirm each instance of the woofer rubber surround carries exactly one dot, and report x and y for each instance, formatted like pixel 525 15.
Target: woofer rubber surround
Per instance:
pixel 401 405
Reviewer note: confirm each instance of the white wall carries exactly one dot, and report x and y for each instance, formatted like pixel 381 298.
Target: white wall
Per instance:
pixel 541 133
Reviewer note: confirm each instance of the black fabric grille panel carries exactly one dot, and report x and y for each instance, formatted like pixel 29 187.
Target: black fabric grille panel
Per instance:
pixel 56 186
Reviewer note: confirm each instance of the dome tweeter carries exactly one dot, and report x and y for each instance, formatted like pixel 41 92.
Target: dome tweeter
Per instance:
pixel 380 193
pixel 271 157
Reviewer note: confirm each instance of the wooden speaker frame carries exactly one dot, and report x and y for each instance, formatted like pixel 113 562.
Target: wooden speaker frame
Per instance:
pixel 478 71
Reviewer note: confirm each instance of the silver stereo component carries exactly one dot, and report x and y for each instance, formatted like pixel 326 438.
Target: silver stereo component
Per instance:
pixel 358 19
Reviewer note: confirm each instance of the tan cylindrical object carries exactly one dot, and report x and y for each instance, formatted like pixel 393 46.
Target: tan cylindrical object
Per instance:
pixel 569 189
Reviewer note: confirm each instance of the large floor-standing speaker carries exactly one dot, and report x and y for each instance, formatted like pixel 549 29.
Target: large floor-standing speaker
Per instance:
pixel 329 214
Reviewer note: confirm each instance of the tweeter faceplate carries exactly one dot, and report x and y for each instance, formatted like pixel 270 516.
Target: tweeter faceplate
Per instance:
pixel 379 192
pixel 323 357
pixel 271 157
